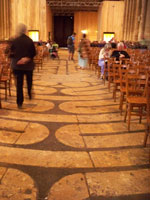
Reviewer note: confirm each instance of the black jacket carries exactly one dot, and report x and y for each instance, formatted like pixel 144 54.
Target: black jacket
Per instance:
pixel 116 54
pixel 22 46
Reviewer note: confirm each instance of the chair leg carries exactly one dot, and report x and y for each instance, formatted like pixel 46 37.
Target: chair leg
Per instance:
pixel 147 131
pixel 114 92
pixel 109 84
pixel 125 116
pixel 129 116
pixel 141 111
pixel 9 87
pixel 99 72
pixel 0 103
pixel 121 103
pixel 5 90
pixel 104 78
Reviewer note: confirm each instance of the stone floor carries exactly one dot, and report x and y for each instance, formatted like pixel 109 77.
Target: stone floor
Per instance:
pixel 70 142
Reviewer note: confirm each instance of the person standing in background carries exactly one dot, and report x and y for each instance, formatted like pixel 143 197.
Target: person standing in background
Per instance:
pixel 22 53
pixel 83 52
pixel 71 46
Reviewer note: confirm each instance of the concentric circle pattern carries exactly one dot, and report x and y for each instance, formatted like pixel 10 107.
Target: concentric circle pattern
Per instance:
pixel 70 142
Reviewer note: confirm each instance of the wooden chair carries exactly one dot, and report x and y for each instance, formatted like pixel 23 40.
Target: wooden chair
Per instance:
pixel 110 72
pixel 38 59
pixel 105 70
pixel 116 79
pixel 123 71
pixel 125 61
pixel 1 69
pixel 135 96
pixel 147 129
pixel 5 82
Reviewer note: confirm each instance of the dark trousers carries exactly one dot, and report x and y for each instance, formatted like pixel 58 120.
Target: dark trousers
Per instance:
pixel 19 75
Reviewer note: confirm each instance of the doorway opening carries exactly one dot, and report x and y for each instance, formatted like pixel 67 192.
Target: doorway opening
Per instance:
pixel 63 27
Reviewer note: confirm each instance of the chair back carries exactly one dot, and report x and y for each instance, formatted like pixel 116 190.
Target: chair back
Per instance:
pixel 135 85
pixel 148 97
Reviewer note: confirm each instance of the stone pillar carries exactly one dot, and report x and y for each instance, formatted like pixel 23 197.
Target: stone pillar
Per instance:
pixel 132 21
pixel 4 19
pixel 137 20
pixel 129 18
pixel 1 19
pixel 126 18
pixel 142 20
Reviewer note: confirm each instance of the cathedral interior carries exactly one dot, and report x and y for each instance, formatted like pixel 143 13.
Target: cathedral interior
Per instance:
pixel 71 140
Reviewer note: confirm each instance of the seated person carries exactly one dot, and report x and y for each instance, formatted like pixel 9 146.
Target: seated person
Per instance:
pixel 120 52
pixel 54 50
pixel 105 52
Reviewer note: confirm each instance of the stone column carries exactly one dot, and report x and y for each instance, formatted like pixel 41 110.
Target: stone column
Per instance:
pixel 1 19
pixel 142 20
pixel 132 22
pixel 126 18
pixel 137 20
pixel 4 19
pixel 129 19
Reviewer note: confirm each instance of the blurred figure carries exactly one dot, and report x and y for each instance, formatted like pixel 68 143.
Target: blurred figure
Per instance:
pixel 71 47
pixel 54 50
pixel 83 52
pixel 23 51
pixel 120 52
pixel 105 53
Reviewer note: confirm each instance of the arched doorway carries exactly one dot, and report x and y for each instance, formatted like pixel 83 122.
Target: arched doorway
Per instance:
pixel 63 27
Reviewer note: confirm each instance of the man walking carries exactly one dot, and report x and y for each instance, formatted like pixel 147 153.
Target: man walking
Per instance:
pixel 22 53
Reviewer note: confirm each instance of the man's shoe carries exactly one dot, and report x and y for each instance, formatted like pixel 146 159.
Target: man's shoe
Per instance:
pixel 19 106
pixel 30 97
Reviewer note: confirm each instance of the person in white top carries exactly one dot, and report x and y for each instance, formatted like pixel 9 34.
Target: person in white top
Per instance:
pixel 105 52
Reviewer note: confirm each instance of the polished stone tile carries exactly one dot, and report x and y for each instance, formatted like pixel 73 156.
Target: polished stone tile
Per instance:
pixel 17 185
pixel 120 158
pixel 72 187
pixel 115 184
pixel 61 159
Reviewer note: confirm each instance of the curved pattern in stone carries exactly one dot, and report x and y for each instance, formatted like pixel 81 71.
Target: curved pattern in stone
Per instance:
pixel 70 91
pixel 100 185
pixel 77 87
pixel 44 90
pixel 88 107
pixel 106 135
pixel 31 106
pixel 70 136
pixel 76 84
pixel 16 185
pixel 42 83
pixel 73 187
pixel 22 132
pixel 118 184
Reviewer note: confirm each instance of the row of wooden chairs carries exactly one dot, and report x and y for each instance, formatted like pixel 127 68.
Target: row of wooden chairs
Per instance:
pixel 132 82
pixel 131 78
pixel 38 59
pixel 147 129
pixel 5 80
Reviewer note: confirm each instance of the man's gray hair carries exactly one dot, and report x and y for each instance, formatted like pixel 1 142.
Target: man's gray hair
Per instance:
pixel 120 44
pixel 21 29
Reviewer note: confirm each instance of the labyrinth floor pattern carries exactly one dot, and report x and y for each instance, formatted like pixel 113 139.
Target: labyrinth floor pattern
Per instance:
pixel 70 142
